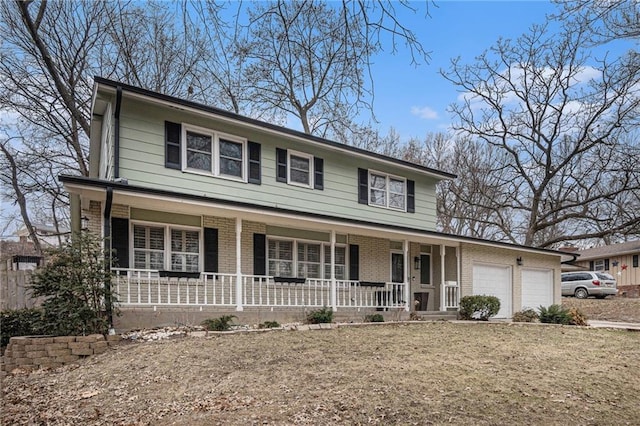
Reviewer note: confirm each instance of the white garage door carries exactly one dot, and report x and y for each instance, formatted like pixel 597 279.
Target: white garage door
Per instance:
pixel 537 288
pixel 494 280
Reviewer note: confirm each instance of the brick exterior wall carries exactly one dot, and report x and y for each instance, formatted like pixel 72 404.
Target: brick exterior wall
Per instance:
pixel 94 213
pixel 226 242
pixel 32 353
pixel 375 258
pixel 120 210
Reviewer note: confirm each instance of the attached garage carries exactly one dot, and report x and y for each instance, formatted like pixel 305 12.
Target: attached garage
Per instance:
pixel 537 288
pixel 494 280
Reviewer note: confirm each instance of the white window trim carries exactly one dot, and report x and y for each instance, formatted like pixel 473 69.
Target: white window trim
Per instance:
pixel 311 170
pixel 387 190
pixel 598 265
pixel 215 152
pixel 322 244
pixel 167 242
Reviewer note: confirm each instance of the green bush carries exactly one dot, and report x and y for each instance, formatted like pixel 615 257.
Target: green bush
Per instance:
pixel 554 314
pixel 526 315
pixel 19 322
pixel 324 315
pixel 223 323
pixel 75 284
pixel 269 324
pixel 374 318
pixel 479 307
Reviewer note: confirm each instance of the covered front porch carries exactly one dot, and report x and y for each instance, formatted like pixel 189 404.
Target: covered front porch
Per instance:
pixel 180 254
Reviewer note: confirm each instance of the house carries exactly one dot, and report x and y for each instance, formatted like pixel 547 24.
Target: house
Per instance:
pixel 619 260
pixel 209 212
pixel 49 236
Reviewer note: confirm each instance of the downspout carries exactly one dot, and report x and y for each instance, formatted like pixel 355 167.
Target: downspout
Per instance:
pixel 107 251
pixel 116 134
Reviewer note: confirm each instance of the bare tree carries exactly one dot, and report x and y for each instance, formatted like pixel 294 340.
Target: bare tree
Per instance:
pixel 559 116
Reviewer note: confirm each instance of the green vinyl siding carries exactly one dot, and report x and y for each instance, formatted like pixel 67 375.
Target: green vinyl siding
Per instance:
pixel 142 163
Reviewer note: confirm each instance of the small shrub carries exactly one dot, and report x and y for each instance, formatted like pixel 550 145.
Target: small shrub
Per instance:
pixel 19 322
pixel 577 317
pixel 526 315
pixel 554 314
pixel 269 324
pixel 479 307
pixel 324 315
pixel 374 318
pixel 218 324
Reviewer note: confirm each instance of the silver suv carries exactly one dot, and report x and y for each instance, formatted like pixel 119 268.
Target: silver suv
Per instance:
pixel 588 283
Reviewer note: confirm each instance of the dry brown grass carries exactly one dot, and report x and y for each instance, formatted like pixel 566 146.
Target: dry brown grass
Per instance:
pixel 609 309
pixel 427 373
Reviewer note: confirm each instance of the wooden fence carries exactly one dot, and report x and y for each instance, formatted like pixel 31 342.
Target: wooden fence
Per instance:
pixel 14 293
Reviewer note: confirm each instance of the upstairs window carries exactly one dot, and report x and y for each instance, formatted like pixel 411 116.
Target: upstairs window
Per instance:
pixel 299 168
pixel 387 191
pixel 214 153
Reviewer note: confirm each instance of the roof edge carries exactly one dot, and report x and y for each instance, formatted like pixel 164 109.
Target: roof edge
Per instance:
pixel 268 126
pixel 92 182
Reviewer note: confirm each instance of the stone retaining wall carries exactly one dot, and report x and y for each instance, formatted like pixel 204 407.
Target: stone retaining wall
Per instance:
pixel 34 352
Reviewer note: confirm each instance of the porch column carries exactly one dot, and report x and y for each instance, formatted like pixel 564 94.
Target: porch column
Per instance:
pixel 334 293
pixel 442 274
pixel 407 275
pixel 458 279
pixel 239 264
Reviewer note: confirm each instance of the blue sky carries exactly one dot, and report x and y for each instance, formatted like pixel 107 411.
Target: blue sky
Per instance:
pixel 455 28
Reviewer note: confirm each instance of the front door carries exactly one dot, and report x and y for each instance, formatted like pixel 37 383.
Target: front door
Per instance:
pixel 397 267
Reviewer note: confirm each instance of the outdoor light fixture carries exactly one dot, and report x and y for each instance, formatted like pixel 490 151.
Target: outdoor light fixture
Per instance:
pixel 416 262
pixel 519 261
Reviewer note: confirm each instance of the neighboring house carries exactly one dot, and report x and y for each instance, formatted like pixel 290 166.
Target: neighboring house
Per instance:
pixel 620 260
pixel 210 212
pixel 48 235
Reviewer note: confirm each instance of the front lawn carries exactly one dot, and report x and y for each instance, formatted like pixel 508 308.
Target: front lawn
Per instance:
pixel 426 373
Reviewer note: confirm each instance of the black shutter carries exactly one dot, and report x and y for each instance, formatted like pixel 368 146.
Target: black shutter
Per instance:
pixel 259 254
pixel 363 186
pixel 354 262
pixel 411 196
pixel 591 265
pixel 172 135
pixel 281 165
pixel 120 241
pixel 635 260
pixel 606 264
pixel 210 250
pixel 254 163
pixel 318 173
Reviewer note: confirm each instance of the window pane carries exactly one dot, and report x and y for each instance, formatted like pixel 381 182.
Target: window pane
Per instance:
pixel 176 262
pixel 156 260
pixel 299 163
pixel 313 253
pixel 378 182
pixel 198 160
pixel 379 198
pixel 396 201
pixel 285 251
pixel 176 240
pixel 139 259
pixel 230 167
pixel 298 176
pixel 139 237
pixel 198 142
pixel 192 263
pixel 192 241
pixel 286 269
pixel 396 186
pixel 230 149
pixel 156 238
pixel 341 255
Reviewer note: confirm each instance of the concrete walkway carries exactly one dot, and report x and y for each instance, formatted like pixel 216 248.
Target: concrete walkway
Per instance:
pixel 631 326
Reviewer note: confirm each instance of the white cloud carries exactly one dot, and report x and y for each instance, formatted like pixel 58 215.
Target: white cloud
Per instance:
pixel 424 112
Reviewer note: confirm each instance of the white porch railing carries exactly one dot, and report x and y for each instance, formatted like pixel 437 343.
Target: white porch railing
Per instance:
pixel 451 295
pixel 139 287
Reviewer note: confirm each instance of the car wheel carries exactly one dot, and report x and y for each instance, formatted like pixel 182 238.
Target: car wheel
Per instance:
pixel 582 293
